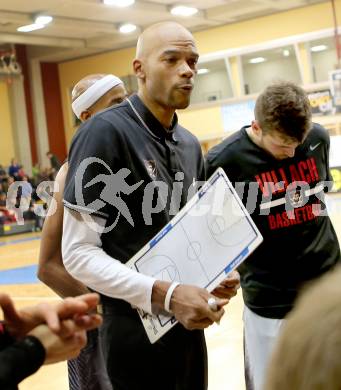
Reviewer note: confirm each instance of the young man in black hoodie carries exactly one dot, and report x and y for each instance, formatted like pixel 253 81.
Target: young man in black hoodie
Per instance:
pixel 280 168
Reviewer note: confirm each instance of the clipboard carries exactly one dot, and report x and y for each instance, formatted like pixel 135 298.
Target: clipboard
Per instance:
pixel 208 238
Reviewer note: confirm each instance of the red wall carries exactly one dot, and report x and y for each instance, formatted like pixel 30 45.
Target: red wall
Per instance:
pixel 53 109
pixel 22 59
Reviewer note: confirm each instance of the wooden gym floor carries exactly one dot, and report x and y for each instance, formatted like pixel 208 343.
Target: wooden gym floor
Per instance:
pixel 18 260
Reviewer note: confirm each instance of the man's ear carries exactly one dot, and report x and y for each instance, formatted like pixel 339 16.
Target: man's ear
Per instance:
pixel 256 128
pixel 139 69
pixel 85 115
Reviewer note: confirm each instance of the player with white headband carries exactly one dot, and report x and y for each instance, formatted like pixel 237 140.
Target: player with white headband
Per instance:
pixel 96 92
pixel 89 96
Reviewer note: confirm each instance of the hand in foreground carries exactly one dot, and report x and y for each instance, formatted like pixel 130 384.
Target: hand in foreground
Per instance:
pixel 20 322
pixel 228 288
pixel 68 343
pixel 189 306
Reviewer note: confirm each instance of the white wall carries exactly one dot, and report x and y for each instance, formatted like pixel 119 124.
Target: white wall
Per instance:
pixel 7 145
pixel 20 124
pixel 42 138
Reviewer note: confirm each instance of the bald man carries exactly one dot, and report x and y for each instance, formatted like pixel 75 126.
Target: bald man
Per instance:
pixel 141 137
pixel 90 95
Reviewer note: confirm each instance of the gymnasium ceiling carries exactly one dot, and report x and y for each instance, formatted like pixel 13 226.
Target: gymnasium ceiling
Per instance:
pixel 83 27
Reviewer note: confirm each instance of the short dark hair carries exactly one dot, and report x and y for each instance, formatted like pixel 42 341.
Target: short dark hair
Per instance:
pixel 284 107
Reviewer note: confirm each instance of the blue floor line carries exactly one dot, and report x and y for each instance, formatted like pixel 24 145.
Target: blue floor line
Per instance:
pixel 19 241
pixel 21 275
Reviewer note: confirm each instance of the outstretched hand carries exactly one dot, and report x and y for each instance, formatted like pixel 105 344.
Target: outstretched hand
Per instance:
pixel 70 340
pixel 20 322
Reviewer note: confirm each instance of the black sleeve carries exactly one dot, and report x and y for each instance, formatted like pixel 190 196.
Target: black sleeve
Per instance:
pixel 215 158
pixel 20 360
pixel 201 166
pixel 202 170
pixel 92 159
pixel 321 136
pixel 210 167
pixel 329 175
pixel 225 155
pixel 5 338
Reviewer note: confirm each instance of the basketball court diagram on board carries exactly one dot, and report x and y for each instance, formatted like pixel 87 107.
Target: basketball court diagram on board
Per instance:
pixel 204 242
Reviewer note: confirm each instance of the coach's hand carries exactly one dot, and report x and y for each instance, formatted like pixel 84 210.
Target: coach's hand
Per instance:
pixel 189 306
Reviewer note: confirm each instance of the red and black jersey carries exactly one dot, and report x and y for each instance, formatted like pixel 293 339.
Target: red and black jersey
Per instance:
pixel 286 201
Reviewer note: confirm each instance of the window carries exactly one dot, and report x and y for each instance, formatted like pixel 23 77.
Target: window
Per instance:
pixel 212 82
pixel 263 67
pixel 323 58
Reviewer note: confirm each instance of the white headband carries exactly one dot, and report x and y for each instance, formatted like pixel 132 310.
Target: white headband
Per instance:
pixel 93 93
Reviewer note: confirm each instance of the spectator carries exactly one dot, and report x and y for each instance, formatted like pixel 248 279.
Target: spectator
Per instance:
pixel 6 184
pixel 14 169
pixel 21 172
pixel 43 175
pixel 2 208
pixel 35 174
pixel 2 201
pixel 26 188
pixel 55 163
pixel 7 216
pixel 3 174
pixel 10 180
